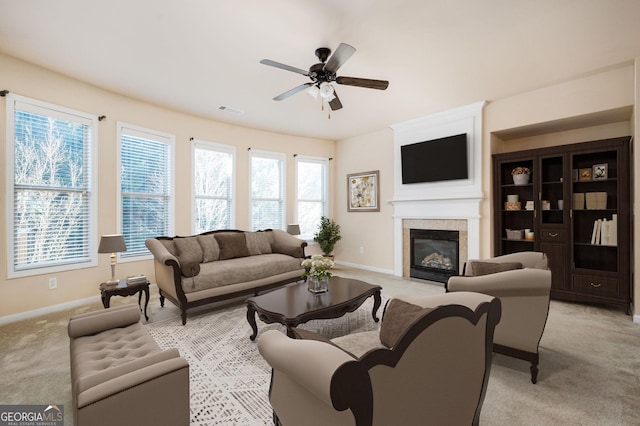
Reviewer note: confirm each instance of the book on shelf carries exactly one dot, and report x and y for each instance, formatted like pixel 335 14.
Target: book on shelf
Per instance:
pixel 605 231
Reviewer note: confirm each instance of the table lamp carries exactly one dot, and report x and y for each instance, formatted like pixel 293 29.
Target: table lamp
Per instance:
pixel 293 229
pixel 112 244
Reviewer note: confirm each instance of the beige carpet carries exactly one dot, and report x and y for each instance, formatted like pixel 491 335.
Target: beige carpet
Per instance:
pixel 589 363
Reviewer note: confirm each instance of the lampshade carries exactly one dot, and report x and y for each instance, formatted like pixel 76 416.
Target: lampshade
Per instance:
pixel 112 244
pixel 293 229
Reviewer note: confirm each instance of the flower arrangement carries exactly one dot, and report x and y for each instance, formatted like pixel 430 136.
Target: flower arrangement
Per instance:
pixel 318 266
pixel 520 171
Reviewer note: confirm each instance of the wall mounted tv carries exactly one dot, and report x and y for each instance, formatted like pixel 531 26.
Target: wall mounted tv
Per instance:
pixel 435 160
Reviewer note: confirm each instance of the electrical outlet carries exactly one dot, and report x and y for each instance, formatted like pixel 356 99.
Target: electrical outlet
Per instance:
pixel 361 250
pixel 53 283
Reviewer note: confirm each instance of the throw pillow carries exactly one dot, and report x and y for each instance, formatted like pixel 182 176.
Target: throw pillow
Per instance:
pixel 169 245
pixel 188 250
pixel 232 245
pixel 486 268
pixel 398 317
pixel 190 269
pixel 291 251
pixel 210 247
pixel 257 243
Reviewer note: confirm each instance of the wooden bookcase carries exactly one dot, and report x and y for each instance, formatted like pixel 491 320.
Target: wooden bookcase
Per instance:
pixel 561 220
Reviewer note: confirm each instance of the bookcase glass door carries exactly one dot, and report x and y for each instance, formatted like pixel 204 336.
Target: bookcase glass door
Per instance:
pixel 552 190
pixel 595 211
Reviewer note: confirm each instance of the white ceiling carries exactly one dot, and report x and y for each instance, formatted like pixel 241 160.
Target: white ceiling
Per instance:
pixel 196 55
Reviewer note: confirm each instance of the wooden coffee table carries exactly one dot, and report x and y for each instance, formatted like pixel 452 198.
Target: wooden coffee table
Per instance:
pixel 294 304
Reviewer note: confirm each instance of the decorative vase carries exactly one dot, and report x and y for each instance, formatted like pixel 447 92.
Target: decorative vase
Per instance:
pixel 521 179
pixel 318 285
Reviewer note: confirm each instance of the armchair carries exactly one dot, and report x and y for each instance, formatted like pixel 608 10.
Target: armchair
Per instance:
pixel 524 293
pixel 435 371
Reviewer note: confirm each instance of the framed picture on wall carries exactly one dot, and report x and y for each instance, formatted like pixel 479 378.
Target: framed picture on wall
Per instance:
pixel 363 192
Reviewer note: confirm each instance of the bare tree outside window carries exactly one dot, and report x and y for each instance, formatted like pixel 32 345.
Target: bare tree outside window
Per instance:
pixel 213 187
pixel 51 192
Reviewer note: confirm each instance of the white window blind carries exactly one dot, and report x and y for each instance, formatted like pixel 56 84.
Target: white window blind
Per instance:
pixel 52 202
pixel 213 186
pixel 312 183
pixel 146 187
pixel 267 190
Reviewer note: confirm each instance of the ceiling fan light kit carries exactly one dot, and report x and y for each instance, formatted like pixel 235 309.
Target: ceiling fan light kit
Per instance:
pixel 323 74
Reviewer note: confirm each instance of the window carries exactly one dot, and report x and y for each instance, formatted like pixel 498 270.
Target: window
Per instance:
pixel 267 190
pixel 312 182
pixel 146 186
pixel 51 198
pixel 213 186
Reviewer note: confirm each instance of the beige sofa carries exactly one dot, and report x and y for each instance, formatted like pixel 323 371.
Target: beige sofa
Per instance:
pixel 428 364
pixel 120 376
pixel 200 269
pixel 522 281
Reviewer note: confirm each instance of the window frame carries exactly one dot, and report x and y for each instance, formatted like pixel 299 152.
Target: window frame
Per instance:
pixel 157 136
pixel 325 187
pixel 217 147
pixel 283 199
pixel 22 103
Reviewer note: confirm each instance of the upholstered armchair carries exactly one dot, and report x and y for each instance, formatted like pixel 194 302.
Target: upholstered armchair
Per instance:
pixel 522 281
pixel 428 364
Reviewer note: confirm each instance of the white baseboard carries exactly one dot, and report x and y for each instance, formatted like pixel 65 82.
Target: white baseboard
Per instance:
pixel 51 309
pixel 48 310
pixel 365 267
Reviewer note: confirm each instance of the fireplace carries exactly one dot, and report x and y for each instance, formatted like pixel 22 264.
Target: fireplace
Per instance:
pixel 434 254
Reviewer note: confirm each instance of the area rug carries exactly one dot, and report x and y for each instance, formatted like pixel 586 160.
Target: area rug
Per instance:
pixel 229 380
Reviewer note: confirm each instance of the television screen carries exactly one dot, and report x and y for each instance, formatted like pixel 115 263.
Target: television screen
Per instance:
pixel 435 160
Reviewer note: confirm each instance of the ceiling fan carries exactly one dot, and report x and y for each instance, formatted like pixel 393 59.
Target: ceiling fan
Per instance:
pixel 323 74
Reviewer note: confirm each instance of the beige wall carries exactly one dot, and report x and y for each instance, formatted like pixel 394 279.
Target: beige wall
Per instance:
pixel 367 237
pixel 22 295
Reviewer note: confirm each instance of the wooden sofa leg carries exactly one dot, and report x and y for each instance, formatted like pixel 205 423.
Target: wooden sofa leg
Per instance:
pixel 184 316
pixel 534 373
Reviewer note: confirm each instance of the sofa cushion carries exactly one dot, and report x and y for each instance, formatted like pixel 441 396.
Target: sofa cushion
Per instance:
pixel 398 317
pixel 486 268
pixel 232 245
pixel 257 243
pixel 169 245
pixel 240 270
pixel 210 247
pixel 188 253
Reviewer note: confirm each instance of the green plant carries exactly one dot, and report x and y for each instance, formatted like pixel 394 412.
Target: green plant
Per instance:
pixel 328 235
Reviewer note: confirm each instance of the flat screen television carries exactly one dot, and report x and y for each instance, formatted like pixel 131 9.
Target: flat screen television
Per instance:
pixel 435 160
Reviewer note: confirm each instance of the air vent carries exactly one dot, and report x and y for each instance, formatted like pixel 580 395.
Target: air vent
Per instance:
pixel 230 110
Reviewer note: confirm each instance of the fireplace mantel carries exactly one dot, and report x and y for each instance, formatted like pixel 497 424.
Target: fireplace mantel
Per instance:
pixel 451 205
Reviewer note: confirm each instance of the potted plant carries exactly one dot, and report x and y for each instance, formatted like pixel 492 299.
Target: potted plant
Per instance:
pixel 316 270
pixel 520 175
pixel 328 235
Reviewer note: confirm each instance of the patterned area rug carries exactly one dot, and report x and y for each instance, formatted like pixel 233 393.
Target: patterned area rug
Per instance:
pixel 229 379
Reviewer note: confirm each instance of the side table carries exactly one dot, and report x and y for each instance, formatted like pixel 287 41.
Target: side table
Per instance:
pixel 109 289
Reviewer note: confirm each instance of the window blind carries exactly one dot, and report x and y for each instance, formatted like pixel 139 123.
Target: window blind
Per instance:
pixel 213 186
pixel 267 191
pixel 145 188
pixel 50 170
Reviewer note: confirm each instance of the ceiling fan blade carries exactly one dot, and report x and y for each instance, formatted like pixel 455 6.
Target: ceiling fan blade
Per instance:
pixel 293 91
pixel 335 103
pixel 363 82
pixel 339 57
pixel 284 67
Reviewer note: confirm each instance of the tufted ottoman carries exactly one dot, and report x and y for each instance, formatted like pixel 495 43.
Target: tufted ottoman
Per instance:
pixel 119 375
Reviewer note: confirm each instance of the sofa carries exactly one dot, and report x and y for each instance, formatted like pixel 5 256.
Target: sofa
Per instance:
pixel 522 281
pixel 428 364
pixel 224 264
pixel 120 376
